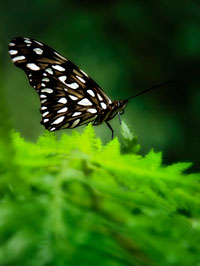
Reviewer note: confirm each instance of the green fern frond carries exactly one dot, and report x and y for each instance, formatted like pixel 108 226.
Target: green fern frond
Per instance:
pixel 76 201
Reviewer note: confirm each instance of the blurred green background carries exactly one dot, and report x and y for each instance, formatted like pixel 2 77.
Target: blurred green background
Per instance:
pixel 125 46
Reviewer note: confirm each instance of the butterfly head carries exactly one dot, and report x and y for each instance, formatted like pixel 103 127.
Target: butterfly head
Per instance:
pixel 117 107
pixel 121 105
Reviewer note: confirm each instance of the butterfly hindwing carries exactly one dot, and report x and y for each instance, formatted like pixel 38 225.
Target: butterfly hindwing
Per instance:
pixel 69 97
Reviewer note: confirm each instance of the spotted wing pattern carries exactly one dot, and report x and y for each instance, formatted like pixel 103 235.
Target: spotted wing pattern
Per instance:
pixel 69 98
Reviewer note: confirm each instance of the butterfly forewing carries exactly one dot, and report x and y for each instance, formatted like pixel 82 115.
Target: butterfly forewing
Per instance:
pixel 69 97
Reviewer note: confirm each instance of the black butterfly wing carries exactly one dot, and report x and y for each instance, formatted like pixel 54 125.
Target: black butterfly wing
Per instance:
pixel 69 97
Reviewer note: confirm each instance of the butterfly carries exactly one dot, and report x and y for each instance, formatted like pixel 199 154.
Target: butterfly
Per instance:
pixel 69 97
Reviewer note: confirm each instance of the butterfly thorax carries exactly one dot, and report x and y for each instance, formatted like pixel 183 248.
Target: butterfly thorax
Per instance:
pixel 111 111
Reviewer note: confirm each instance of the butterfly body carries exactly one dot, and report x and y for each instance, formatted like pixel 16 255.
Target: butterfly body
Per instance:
pixel 116 107
pixel 69 97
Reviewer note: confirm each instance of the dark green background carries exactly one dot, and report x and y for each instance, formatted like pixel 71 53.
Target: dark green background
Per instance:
pixel 125 46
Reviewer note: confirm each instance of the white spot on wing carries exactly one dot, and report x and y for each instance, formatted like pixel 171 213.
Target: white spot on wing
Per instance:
pixel 59 68
pixel 58 120
pixel 45 120
pixel 60 56
pixel 62 110
pixel 11 44
pixel 109 100
pixel 91 93
pixel 46 113
pixel 92 110
pixel 62 100
pixel 49 70
pixel 39 43
pixel 99 96
pixel 52 129
pixel 43 96
pixel 18 58
pixel 84 73
pixel 45 79
pixel 62 78
pixel 43 85
pixel 12 52
pixel 26 40
pixel 43 108
pixel 38 51
pixel 85 102
pixel 103 105
pixel 75 123
pixel 47 90
pixel 74 98
pixel 33 66
pixel 73 85
pixel 76 113
pixel 43 101
pixel 81 79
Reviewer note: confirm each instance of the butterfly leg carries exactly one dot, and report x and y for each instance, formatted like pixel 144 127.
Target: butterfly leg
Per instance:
pixel 110 129
pixel 120 121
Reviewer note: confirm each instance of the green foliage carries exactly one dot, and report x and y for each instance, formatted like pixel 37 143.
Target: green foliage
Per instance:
pixel 73 201
pixel 129 140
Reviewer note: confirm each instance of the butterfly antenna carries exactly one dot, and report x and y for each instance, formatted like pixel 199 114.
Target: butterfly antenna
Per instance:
pixel 152 88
